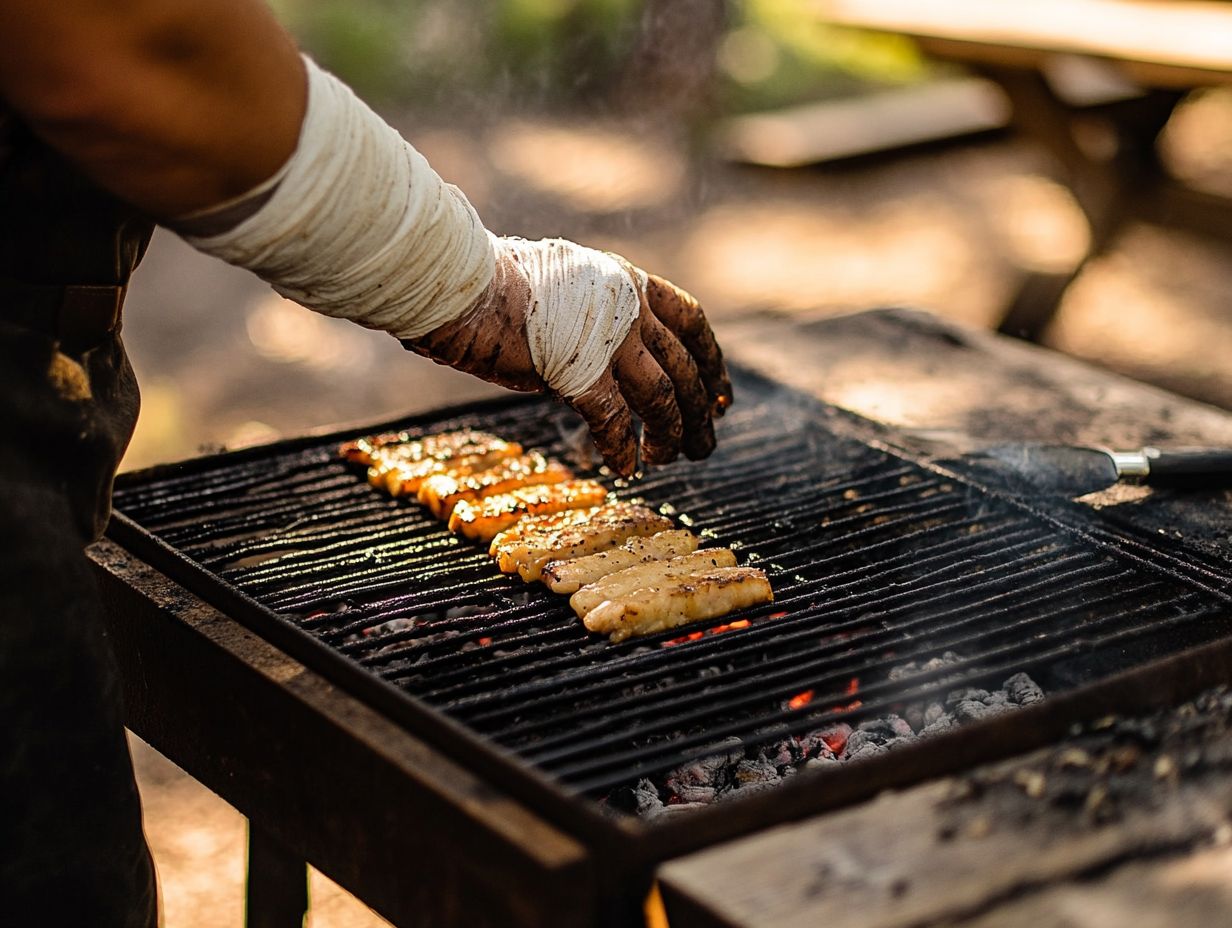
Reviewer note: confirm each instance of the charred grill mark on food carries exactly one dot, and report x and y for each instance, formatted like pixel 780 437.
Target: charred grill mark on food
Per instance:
pixel 485 518
pixel 629 569
pixel 535 543
pixel 442 492
pixel 568 576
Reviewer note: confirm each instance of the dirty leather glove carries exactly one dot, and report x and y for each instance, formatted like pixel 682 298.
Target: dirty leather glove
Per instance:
pixel 601 334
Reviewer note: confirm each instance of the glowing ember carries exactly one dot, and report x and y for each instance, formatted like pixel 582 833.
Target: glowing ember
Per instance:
pixel 776 615
pixel 742 768
pixel 800 700
pixel 485 641
pixel 836 739
pixel 853 687
pixel 741 623
pixel 717 630
pixel 692 636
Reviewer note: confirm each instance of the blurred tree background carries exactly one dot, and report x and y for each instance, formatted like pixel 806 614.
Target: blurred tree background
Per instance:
pixel 470 55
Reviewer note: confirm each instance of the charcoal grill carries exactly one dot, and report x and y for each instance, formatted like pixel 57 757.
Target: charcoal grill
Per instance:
pixel 878 557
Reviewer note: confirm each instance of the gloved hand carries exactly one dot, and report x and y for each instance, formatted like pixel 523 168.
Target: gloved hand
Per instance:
pixel 602 334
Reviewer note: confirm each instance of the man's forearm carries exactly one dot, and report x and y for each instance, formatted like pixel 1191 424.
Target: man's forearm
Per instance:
pixel 173 105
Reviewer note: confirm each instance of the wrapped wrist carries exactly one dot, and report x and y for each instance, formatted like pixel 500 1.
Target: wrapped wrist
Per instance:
pixel 582 304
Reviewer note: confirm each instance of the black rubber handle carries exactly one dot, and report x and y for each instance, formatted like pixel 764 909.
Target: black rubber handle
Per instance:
pixel 1208 467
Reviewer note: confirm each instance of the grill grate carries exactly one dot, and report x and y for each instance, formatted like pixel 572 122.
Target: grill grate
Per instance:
pixel 876 561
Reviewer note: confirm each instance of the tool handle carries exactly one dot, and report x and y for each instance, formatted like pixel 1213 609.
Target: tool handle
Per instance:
pixel 1200 468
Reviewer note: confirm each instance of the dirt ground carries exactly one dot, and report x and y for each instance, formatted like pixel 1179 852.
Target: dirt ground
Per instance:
pixel 224 361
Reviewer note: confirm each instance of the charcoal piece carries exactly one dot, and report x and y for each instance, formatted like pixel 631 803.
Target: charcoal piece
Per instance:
pixel 920 715
pixel 859 739
pixel 912 668
pixel 938 726
pixel 829 740
pixel 737 771
pixel 966 694
pixel 687 793
pixel 784 754
pixel 747 789
pixel 704 772
pixel 692 780
pixel 914 714
pixel 864 749
pixel 642 799
pixel 749 772
pixel 1022 690
pixel 882 732
pixel 824 759
pixel 892 726
pixel 971 710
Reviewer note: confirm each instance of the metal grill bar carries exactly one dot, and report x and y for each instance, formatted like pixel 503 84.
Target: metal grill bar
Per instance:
pixel 465 684
pixel 789 668
pixel 773 686
pixel 535 613
pixel 876 562
pixel 759 641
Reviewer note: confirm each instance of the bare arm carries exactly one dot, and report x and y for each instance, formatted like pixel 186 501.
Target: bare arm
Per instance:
pixel 173 105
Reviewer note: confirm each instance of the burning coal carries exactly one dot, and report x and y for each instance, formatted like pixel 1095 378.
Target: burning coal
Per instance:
pixel 744 770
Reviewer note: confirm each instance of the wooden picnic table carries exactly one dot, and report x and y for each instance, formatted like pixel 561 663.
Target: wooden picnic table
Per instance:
pixel 1165 48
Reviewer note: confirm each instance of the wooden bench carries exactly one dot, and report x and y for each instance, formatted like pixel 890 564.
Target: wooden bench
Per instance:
pixel 1166 48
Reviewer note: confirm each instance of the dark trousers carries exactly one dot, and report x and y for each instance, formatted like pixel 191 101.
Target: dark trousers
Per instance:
pixel 72 850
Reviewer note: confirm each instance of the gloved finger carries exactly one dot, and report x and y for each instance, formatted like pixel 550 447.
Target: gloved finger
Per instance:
pixel 611 424
pixel 677 310
pixel 697 438
pixel 652 396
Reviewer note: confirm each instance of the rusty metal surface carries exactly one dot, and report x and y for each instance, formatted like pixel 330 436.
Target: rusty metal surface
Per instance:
pixel 421 840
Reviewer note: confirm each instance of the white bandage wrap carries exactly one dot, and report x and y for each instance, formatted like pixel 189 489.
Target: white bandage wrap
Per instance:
pixel 360 226
pixel 583 303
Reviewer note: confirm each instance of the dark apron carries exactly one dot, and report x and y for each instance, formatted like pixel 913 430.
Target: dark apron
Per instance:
pixel 72 851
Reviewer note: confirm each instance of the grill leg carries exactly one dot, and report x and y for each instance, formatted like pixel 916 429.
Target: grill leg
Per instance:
pixel 277 895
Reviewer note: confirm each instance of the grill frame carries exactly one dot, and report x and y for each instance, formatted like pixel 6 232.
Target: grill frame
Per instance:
pixel 637 844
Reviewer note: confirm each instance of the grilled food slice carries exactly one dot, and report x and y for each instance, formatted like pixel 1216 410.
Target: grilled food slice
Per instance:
pixel 404 478
pixel 360 450
pixel 646 576
pixel 569 576
pixel 402 446
pixel 483 519
pixel 401 468
pixel 441 492
pixel 706 595
pixel 532 543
